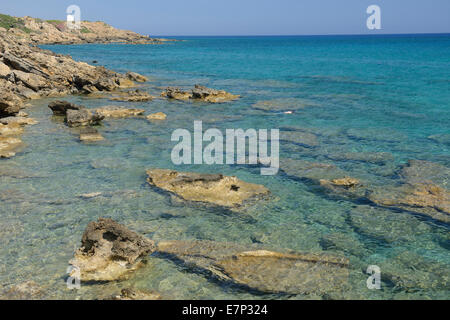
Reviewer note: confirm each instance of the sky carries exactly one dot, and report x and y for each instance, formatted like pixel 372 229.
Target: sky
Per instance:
pixel 247 17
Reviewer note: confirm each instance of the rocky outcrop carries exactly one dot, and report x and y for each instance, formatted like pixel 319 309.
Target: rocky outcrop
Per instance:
pixel 157 116
pixel 60 107
pixel 118 112
pixel 39 31
pixel 259 269
pixel 109 251
pixel 212 95
pixel 209 188
pixel 82 117
pixel 199 93
pixel 133 76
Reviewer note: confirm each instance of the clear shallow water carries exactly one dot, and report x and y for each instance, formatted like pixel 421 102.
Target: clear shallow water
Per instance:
pixel 379 94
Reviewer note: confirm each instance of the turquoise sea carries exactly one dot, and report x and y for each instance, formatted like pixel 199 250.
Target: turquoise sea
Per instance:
pixel 354 93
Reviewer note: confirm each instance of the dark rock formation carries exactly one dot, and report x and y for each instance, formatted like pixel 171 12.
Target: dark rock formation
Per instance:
pixel 109 251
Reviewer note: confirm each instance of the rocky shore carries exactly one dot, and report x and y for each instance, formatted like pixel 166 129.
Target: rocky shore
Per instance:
pixel 38 31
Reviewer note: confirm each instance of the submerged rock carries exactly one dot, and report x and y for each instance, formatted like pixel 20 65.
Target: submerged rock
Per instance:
pixel 28 290
pixel 90 135
pixel 157 116
pixel 23 121
pixel 9 146
pixel 133 96
pixel 380 158
pixel 424 198
pixel 133 294
pixel 201 187
pixel 118 112
pixel 110 251
pixel 312 171
pixel 302 138
pixel 418 171
pixel 82 117
pixel 259 269
pixel 284 104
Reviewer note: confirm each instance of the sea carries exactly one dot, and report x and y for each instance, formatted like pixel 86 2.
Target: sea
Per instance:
pixel 386 95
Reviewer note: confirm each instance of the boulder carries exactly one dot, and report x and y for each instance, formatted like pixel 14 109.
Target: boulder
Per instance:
pixel 60 107
pixel 109 251
pixel 118 112
pixel 176 94
pixel 10 104
pixel 133 76
pixel 82 117
pixel 157 116
pixel 212 95
pixel 208 188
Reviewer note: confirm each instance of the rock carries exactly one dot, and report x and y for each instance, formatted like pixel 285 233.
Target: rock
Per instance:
pixel 133 76
pixel 118 112
pixel 384 224
pixel 28 290
pixel 380 158
pixel 210 188
pixel 82 117
pixel 418 171
pixel 443 138
pixel 9 146
pixel 60 107
pixel 176 93
pixel 10 129
pixel 4 70
pixel 10 104
pixel 259 269
pixel 90 135
pixel 18 120
pixel 133 96
pixel 133 294
pixel 420 197
pixel 125 83
pixel 199 93
pixel 90 195
pixel 286 105
pixel 110 251
pixel 211 95
pixel 302 138
pixel 157 116
pixel 346 182
pixel 311 171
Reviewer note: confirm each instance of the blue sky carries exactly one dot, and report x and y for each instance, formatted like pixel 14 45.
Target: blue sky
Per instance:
pixel 247 17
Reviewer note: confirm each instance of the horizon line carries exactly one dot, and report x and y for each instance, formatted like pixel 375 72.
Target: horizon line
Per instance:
pixel 302 35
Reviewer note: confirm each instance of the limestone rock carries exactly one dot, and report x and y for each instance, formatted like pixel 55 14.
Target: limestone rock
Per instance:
pixel 176 93
pixel 133 96
pixel 157 116
pixel 110 251
pixel 133 294
pixel 90 134
pixel 82 117
pixel 212 95
pixel 210 188
pixel 133 76
pixel 260 269
pixel 60 107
